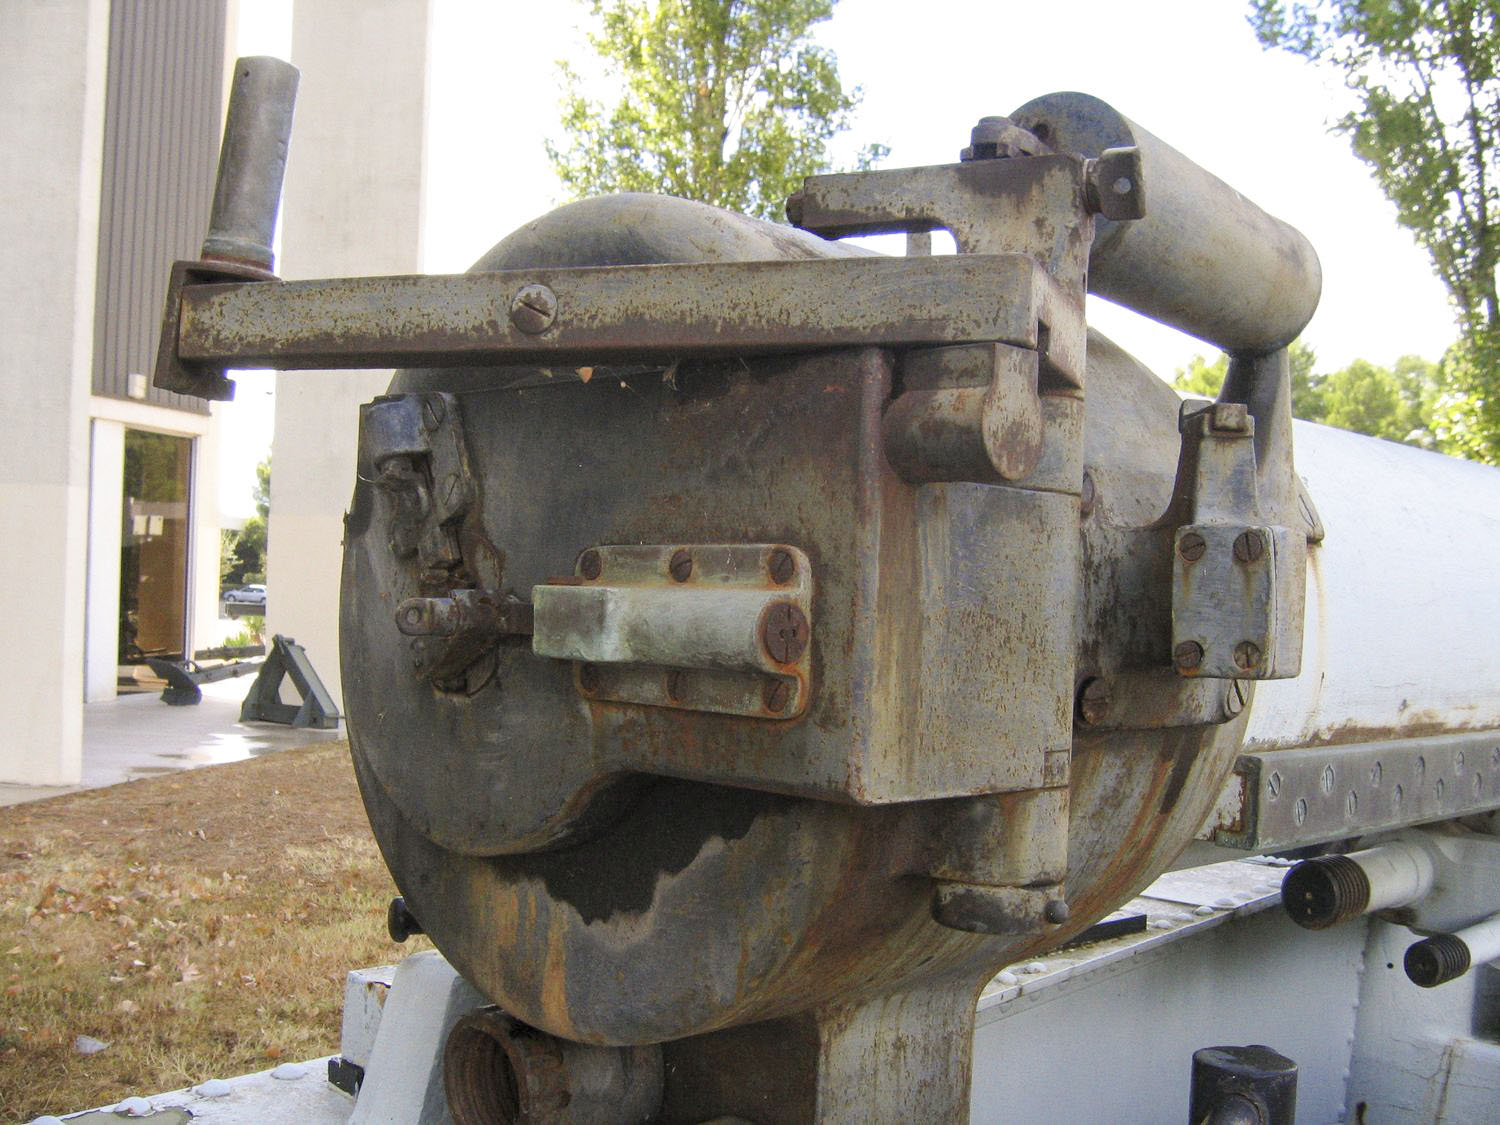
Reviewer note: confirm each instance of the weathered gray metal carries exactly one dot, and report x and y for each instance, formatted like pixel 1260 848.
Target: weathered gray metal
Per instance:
pixel 252 162
pixel 733 661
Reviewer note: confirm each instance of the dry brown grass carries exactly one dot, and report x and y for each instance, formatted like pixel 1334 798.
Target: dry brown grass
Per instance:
pixel 201 923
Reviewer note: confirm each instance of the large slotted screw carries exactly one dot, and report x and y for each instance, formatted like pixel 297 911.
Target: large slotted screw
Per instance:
pixel 783 630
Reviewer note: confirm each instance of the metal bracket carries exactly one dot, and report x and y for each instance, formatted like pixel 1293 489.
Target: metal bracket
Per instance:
pixel 722 627
pixel 1237 584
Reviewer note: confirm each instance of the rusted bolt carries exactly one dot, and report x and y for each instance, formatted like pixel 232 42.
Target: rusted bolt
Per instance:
pixel 533 309
pixel 588 678
pixel 776 695
pixel 1088 495
pixel 1189 654
pixel 1094 699
pixel 1056 912
pixel 590 565
pixel 783 630
pixel 1192 546
pixel 1249 546
pixel 674 685
pixel 782 566
pixel 1246 655
pixel 681 566
pixel 432 413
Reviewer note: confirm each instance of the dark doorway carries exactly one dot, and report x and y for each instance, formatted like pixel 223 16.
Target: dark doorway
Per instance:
pixel 154 546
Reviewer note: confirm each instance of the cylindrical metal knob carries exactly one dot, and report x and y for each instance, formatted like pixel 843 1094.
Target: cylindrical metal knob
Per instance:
pixel 252 162
pixel 1444 957
pixel 1322 892
pixel 1243 1086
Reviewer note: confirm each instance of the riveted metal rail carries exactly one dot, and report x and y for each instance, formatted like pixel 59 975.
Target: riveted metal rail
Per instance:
pixel 600 315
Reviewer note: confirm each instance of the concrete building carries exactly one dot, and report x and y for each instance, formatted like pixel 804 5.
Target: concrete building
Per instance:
pixel 110 114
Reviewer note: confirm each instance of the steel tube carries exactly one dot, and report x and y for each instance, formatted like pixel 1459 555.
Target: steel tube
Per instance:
pixel 1322 892
pixel 1444 957
pixel 252 162
pixel 1204 259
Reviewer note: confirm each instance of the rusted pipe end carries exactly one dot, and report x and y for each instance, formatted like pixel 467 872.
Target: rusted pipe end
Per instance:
pixel 1322 892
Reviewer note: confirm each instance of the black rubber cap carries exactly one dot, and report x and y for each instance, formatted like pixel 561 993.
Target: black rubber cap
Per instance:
pixel 1322 892
pixel 1436 960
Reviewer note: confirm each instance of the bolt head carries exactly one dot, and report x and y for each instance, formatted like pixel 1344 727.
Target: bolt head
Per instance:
pixel 590 565
pixel 776 695
pixel 681 566
pixel 1189 654
pixel 784 632
pixel 1249 546
pixel 781 566
pixel 533 309
pixel 1191 546
pixel 1246 655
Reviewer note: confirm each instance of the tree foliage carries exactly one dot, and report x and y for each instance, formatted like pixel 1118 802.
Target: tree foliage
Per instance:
pixel 729 102
pixel 242 556
pixel 1425 75
pixel 1403 402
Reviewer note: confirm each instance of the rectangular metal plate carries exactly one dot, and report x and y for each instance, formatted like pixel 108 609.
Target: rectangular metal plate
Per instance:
pixel 1288 798
pixel 687 636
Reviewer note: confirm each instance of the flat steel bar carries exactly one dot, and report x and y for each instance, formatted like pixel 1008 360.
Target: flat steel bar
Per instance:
pixel 624 313
pixel 1287 798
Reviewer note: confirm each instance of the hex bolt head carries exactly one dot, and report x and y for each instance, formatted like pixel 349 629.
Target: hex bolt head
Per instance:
pixel 588 678
pixel 1189 654
pixel 783 630
pixel 781 566
pixel 1191 546
pixel 776 695
pixel 1246 655
pixel 533 309
pixel 1094 699
pixel 681 566
pixel 590 565
pixel 1249 546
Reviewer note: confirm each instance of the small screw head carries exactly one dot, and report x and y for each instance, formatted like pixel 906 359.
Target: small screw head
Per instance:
pixel 781 566
pixel 1189 654
pixel 1191 546
pixel 590 565
pixel 1246 655
pixel 1094 699
pixel 1273 784
pixel 776 695
pixel 533 309
pixel 588 678
pixel 783 630
pixel 681 566
pixel 1249 546
pixel 1088 496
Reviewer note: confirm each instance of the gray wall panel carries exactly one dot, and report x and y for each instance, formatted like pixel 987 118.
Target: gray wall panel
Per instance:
pixel 163 117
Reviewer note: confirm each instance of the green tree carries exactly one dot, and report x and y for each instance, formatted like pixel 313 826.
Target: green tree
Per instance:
pixel 1204 378
pixel 1425 75
pixel 729 102
pixel 249 546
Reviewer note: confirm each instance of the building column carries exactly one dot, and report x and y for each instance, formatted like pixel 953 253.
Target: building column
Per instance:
pixel 352 206
pixel 106 496
pixel 53 60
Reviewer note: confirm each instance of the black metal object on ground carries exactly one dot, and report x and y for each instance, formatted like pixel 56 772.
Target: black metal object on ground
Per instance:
pixel 1253 1085
pixel 263 704
pixel 183 677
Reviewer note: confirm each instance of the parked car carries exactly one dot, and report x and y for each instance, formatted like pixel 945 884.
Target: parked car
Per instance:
pixel 253 596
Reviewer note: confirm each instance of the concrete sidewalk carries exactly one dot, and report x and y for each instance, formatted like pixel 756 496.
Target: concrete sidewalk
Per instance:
pixel 136 736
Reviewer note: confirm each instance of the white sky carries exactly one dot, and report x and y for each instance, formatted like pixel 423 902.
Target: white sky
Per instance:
pixel 1190 71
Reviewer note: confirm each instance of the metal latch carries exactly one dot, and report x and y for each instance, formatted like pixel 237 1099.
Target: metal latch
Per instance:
pixel 705 627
